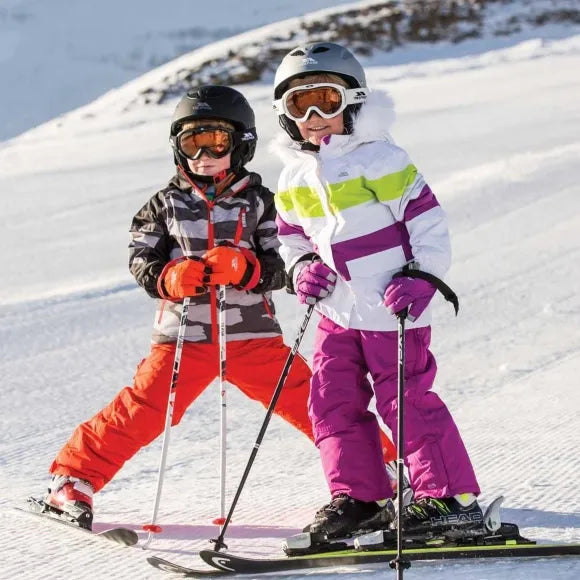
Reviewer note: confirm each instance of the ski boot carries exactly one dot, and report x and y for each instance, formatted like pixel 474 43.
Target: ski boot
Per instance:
pixel 345 515
pixel 408 494
pixel 461 512
pixel 446 523
pixel 334 523
pixel 71 499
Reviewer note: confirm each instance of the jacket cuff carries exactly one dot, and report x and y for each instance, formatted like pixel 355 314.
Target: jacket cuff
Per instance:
pixel 253 271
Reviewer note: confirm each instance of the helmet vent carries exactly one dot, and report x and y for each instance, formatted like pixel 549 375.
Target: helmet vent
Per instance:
pixel 320 49
pixel 298 53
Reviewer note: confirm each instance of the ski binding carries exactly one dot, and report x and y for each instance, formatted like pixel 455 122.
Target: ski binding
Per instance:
pixel 39 508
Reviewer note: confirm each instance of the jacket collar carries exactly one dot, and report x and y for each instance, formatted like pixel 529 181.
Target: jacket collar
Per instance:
pixel 242 180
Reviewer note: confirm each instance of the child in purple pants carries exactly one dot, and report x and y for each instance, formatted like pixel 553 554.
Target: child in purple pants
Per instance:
pixel 353 211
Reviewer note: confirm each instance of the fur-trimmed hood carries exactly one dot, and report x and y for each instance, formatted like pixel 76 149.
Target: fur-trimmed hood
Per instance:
pixel 373 123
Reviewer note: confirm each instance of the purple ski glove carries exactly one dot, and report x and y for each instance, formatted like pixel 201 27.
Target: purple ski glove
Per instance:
pixel 314 282
pixel 402 292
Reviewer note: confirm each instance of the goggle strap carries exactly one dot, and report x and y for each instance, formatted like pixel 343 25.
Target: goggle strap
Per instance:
pixel 356 96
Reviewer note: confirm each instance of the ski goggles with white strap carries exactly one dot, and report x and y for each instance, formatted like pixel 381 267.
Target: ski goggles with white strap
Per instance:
pixel 217 142
pixel 326 99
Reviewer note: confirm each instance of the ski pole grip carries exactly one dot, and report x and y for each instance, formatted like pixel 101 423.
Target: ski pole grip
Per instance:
pixel 412 271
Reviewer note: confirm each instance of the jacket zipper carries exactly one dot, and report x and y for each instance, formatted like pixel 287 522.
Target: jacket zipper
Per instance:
pixel 212 289
pixel 211 241
pixel 240 227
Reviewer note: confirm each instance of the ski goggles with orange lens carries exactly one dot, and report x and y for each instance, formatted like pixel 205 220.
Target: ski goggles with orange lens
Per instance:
pixel 326 99
pixel 217 142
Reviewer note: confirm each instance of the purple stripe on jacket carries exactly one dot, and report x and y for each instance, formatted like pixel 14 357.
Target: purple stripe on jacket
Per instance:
pixel 286 229
pixel 362 246
pixel 423 203
pixel 405 242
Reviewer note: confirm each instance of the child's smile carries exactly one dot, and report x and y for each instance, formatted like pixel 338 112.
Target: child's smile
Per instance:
pixel 316 128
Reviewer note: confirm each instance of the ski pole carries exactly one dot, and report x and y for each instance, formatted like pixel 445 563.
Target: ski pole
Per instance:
pixel 223 401
pixel 219 541
pixel 152 527
pixel 400 563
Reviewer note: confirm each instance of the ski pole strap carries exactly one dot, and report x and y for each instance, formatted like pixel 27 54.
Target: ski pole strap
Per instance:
pixel 311 256
pixel 411 272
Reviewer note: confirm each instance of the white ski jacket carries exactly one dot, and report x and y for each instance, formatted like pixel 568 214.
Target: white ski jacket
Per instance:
pixel 363 207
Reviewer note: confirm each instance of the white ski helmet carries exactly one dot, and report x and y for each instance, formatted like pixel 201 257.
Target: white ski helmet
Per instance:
pixel 318 57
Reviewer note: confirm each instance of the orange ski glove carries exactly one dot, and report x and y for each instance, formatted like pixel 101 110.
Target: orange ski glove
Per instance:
pixel 228 265
pixel 183 277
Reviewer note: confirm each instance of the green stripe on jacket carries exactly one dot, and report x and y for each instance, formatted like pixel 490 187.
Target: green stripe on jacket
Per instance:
pixel 346 194
pixel 393 185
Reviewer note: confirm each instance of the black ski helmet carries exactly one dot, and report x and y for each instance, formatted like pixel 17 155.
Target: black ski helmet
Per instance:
pixel 221 103
pixel 315 58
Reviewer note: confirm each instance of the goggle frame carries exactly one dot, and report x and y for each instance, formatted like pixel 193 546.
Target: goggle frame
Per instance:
pixel 208 150
pixel 355 96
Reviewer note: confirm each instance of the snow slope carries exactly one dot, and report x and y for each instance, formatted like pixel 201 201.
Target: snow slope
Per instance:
pixel 497 137
pixel 58 55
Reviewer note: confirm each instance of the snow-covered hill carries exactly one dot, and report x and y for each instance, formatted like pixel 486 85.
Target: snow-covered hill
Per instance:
pixel 53 58
pixel 496 134
pixel 58 55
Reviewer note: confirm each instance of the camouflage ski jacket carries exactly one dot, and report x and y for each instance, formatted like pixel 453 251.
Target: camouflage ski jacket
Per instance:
pixel 180 221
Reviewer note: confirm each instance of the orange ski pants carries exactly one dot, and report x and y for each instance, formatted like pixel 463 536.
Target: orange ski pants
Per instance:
pixel 98 448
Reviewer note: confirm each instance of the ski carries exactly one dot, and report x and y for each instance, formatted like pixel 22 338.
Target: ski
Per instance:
pixel 167 566
pixel 238 565
pixel 227 564
pixel 493 539
pixel 119 535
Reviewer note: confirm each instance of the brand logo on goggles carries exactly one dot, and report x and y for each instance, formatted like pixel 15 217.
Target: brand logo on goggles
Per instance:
pixel 249 136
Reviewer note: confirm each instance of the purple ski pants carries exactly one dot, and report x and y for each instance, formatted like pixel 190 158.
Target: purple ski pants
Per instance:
pixel 347 433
